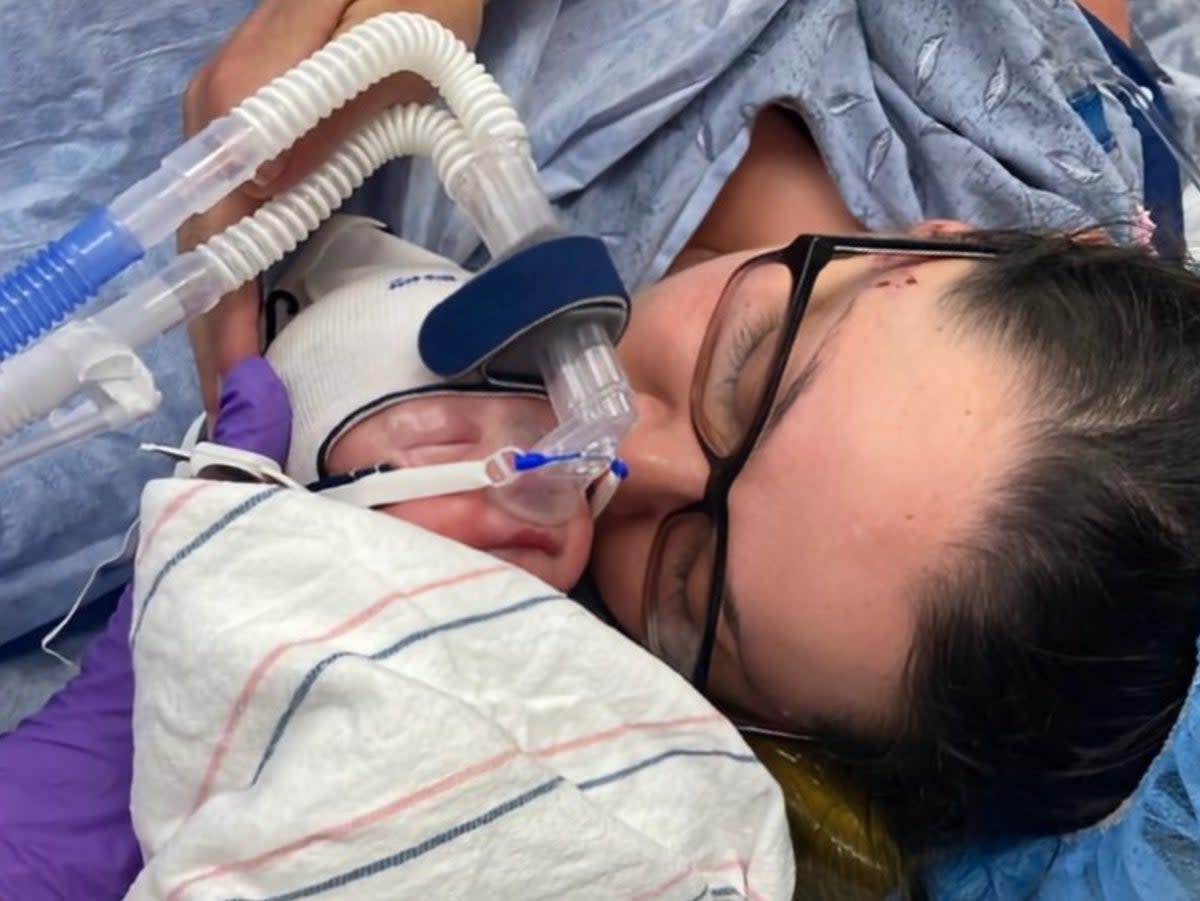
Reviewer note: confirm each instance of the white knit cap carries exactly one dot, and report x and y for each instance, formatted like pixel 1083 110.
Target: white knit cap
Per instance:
pixel 352 350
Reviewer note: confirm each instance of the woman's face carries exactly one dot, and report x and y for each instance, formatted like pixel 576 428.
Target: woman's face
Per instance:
pixel 863 488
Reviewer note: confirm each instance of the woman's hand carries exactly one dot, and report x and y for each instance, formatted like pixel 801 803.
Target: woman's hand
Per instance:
pixel 278 35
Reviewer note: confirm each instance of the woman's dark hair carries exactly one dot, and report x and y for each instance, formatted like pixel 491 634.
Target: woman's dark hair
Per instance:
pixel 1055 650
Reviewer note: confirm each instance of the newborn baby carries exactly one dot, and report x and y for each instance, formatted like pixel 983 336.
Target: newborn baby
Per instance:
pixel 361 398
pixel 334 703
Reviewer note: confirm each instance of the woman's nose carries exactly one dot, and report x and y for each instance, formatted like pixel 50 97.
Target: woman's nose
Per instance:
pixel 667 467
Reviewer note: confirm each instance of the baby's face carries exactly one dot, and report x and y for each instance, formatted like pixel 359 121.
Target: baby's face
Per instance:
pixel 424 431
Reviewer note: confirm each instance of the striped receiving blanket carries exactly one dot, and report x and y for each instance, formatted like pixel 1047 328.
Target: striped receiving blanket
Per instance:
pixel 335 704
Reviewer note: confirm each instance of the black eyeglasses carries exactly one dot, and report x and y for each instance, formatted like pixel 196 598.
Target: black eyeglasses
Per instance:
pixel 746 350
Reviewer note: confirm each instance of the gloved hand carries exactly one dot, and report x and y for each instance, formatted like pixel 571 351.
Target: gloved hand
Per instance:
pixel 65 773
pixel 254 412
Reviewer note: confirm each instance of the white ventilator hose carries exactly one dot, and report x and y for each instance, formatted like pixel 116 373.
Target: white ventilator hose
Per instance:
pixel 231 149
pixel 56 281
pixel 38 380
pixel 295 102
pixel 250 247
pixel 503 197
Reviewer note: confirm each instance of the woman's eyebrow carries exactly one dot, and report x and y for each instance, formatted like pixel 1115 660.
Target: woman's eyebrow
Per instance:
pixel 804 379
pixel 790 395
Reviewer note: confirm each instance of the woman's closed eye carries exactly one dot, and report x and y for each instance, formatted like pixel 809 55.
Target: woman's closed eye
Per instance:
pixel 683 570
pixel 745 368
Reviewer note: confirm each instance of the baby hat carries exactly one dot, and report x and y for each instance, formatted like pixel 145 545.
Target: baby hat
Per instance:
pixel 352 348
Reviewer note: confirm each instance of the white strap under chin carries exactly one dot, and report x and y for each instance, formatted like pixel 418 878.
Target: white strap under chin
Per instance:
pixel 375 489
pixel 380 487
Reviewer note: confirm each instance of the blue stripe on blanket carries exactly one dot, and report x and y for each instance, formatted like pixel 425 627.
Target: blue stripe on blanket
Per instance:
pixel 313 674
pixel 625 772
pixel 408 854
pixel 194 545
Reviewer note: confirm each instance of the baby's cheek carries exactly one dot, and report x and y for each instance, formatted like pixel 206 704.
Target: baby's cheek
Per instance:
pixel 450 517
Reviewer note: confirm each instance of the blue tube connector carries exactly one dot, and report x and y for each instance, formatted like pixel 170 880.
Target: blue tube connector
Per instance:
pixel 48 287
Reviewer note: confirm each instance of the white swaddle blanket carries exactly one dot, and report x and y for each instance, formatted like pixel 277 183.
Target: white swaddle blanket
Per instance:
pixel 334 704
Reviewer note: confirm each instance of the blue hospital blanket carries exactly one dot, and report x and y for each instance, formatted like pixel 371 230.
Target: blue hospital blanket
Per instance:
pixel 917 106
pixel 89 102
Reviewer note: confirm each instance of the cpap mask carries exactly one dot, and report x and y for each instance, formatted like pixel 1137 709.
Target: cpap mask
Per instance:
pixel 558 294
pixel 361 328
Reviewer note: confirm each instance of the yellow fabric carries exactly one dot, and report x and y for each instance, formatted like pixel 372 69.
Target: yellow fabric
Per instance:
pixel 843 849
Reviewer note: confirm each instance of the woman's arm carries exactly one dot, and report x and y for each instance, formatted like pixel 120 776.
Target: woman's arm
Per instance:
pixel 782 163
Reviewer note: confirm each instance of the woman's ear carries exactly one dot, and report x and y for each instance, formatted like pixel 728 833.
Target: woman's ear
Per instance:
pixel 939 228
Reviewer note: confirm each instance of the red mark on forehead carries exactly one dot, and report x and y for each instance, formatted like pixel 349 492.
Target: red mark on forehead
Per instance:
pixel 895 283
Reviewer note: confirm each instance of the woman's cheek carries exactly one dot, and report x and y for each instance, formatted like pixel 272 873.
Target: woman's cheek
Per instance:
pixel 619 558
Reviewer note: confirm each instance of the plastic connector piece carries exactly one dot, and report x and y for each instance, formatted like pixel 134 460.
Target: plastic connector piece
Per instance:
pixel 500 193
pixel 191 179
pixel 79 356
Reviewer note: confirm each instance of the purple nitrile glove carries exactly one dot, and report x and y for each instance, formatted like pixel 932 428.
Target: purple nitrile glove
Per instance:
pixel 65 772
pixel 255 413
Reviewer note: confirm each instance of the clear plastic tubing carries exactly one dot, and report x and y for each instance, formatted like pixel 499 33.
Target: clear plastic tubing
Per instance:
pixel 49 286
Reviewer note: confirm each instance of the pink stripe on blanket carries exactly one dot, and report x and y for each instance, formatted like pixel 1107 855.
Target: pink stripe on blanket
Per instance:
pixel 454 780
pixel 659 891
pixel 341 830
pixel 259 673
pixel 625 729
pixel 171 511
